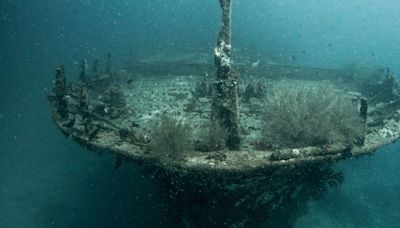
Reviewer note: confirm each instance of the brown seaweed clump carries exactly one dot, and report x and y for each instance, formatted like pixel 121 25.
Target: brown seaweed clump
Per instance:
pixel 171 138
pixel 301 114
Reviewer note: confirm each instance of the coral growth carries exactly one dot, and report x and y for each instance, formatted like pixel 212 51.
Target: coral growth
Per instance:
pixel 309 114
pixel 171 138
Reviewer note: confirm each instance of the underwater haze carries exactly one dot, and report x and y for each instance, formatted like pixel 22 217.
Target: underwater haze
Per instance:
pixel 47 180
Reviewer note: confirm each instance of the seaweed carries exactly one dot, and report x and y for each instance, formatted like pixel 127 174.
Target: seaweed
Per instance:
pixel 300 114
pixel 171 138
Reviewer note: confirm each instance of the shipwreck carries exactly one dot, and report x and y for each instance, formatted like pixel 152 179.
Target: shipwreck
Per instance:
pixel 230 145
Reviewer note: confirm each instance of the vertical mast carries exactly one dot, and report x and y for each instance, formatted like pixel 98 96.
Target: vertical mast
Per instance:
pixel 225 99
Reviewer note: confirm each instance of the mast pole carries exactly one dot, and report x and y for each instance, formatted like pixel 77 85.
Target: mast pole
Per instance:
pixel 225 99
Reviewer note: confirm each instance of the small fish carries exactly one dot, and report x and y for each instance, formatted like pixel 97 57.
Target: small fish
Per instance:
pixel 293 58
pixel 255 64
pixel 129 81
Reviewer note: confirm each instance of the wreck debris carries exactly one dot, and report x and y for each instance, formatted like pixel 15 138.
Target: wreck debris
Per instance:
pixel 326 150
pixel 225 98
pixel 386 90
pixel 364 116
pixel 390 89
pixel 115 97
pixel 60 93
pixel 83 71
pixel 112 104
pixel 84 109
pixel 364 109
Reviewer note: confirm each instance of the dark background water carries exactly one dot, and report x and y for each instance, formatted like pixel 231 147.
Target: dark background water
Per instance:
pixel 47 180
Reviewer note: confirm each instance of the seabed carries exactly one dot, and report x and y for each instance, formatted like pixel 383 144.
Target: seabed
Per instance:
pixel 242 184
